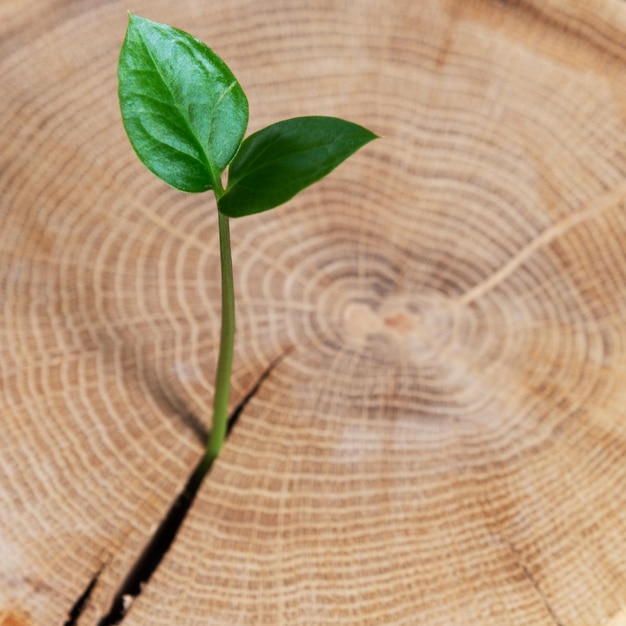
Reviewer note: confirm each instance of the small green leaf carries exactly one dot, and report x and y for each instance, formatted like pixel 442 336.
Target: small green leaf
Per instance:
pixel 277 162
pixel 183 110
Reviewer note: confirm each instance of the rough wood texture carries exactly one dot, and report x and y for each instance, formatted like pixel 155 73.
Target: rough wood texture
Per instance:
pixel 442 439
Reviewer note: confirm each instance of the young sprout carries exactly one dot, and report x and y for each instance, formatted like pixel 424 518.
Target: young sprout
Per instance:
pixel 186 116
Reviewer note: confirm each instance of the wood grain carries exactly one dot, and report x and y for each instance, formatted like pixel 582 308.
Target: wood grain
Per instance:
pixel 442 438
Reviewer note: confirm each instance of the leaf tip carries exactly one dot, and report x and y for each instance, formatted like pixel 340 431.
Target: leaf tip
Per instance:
pixel 136 20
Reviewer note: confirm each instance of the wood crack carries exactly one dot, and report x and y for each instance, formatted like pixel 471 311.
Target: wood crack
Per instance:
pixel 238 410
pixel 531 579
pixel 588 211
pixel 79 606
pixel 163 538
pixel 540 593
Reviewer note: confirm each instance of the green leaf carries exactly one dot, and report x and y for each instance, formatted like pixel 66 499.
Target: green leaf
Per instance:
pixel 277 162
pixel 183 110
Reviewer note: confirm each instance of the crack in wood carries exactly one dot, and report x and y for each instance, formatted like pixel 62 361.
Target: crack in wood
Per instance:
pixel 79 606
pixel 540 593
pixel 589 210
pixel 238 410
pixel 531 579
pixel 164 536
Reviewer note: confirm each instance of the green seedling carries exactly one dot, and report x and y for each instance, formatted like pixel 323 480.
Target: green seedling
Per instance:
pixel 186 116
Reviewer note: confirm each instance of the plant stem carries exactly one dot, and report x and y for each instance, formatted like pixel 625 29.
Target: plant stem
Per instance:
pixel 227 341
pixel 225 358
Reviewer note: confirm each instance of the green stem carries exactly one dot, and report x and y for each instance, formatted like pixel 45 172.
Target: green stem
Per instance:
pixel 227 342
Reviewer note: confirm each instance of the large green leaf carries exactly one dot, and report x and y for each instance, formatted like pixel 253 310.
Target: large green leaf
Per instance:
pixel 277 162
pixel 184 111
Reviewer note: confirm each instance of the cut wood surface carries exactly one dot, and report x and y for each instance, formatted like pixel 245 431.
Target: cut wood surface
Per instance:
pixel 431 347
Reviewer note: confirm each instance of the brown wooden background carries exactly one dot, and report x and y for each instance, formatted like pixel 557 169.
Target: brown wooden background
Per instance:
pixel 441 437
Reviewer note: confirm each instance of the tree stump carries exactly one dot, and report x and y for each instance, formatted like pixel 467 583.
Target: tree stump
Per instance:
pixel 430 372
